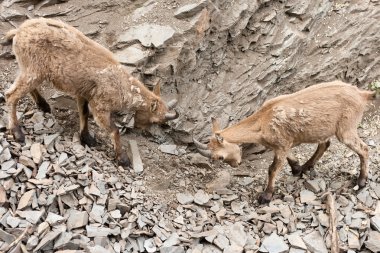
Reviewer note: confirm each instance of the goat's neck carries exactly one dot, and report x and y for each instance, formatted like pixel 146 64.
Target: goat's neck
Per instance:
pixel 245 131
pixel 135 94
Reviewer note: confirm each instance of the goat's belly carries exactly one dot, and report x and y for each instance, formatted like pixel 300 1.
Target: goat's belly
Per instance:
pixel 312 137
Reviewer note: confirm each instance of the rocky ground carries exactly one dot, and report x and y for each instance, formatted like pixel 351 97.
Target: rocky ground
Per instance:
pixel 58 196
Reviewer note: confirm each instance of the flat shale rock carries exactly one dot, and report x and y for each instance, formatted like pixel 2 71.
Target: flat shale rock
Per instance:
pixel 185 198
pixel 373 241
pixel 275 244
pixel 25 200
pixel 3 196
pixel 49 139
pixel 93 231
pixel 237 235
pixel 315 243
pixel 36 152
pixel 375 222
pixel 148 35
pixel 133 55
pixel 77 219
pixel 353 239
pixel 190 9
pixel 172 249
pixel 49 237
pixel 296 241
pixel 201 197
pixel 137 163
pixel 169 149
pixel 6 237
pixel 307 196
pixel 42 170
pixel 31 216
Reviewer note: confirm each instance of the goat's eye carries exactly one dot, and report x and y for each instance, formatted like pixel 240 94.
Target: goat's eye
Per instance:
pixel 220 157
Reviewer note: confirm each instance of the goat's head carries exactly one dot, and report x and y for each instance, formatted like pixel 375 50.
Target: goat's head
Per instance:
pixel 156 110
pixel 220 149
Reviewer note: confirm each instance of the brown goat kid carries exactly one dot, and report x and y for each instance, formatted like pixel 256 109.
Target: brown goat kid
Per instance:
pixel 50 50
pixel 312 115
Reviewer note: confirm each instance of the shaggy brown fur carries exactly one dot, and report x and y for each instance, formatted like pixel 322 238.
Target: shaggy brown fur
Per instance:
pixel 51 50
pixel 312 115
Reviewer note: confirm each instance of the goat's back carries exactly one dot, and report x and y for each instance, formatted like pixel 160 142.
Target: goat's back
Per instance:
pixel 51 43
pixel 315 113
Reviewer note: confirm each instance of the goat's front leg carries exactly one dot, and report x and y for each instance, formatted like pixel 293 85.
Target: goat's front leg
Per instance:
pixel 275 167
pixel 85 137
pixel 103 119
pixel 21 86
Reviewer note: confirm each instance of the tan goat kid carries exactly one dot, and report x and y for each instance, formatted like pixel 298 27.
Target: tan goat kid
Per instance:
pixel 50 50
pixel 312 115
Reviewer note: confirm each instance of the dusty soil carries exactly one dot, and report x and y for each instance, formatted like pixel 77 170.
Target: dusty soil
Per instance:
pixel 166 175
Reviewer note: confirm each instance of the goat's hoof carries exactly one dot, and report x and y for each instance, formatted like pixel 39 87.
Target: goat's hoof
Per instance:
pixel 265 198
pixel 362 182
pixel 87 139
pixel 123 160
pixel 44 107
pixel 297 170
pixel 18 134
pixel 295 166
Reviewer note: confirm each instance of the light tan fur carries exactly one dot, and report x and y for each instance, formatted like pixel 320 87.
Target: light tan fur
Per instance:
pixel 50 50
pixel 311 115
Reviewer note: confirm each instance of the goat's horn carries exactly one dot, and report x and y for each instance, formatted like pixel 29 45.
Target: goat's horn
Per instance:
pixel 172 103
pixel 199 145
pixel 206 153
pixel 171 115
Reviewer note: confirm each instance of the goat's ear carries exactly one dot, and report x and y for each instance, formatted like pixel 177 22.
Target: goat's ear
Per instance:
pixel 153 105
pixel 157 89
pixel 215 125
pixel 219 138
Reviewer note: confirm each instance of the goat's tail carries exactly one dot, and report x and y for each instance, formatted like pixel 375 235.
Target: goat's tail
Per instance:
pixel 8 38
pixel 369 95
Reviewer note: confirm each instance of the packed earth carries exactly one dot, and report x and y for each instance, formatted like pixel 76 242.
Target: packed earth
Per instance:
pixel 220 59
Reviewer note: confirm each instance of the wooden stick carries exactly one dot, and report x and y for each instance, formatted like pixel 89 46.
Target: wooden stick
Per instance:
pixel 332 229
pixel 15 242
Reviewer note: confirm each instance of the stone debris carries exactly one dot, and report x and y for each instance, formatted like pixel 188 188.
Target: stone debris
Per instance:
pixel 25 200
pixel 133 55
pixel 169 149
pixel 77 219
pixel 148 35
pixel 36 152
pixel 137 163
pixel 75 198
pixel 190 9
pixel 201 197
pixel 184 198
pixel 275 244
pixel 307 196
pixel 373 241
pixel 315 242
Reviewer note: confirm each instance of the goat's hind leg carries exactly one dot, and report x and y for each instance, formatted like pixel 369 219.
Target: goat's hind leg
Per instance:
pixel 85 137
pixel 21 86
pixel 353 141
pixel 297 169
pixel 40 101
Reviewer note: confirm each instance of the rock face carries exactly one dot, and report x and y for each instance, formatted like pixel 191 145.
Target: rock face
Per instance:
pixel 253 50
